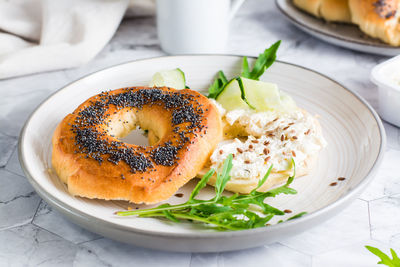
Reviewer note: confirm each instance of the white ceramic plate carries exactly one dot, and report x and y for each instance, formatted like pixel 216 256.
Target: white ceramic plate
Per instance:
pixel 344 35
pixel 352 128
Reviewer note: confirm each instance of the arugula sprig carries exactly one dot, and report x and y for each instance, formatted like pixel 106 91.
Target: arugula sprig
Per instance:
pixel 218 85
pixel 263 62
pixel 236 212
pixel 243 93
pixel 385 259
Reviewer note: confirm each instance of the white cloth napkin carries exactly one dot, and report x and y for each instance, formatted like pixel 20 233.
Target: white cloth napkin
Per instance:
pixel 43 35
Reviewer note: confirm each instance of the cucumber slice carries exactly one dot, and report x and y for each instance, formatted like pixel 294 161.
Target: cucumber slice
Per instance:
pixel 287 102
pixel 231 97
pixel 261 95
pixel 171 78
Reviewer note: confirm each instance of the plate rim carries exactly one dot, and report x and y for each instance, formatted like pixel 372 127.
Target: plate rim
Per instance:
pixel 306 26
pixel 350 194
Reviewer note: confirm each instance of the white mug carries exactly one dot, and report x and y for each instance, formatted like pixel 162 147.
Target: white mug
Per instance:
pixel 194 26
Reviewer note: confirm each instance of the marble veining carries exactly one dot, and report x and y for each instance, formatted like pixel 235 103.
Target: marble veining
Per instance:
pixel 393 136
pixel 13 165
pixel 354 255
pixel 32 246
pixel 271 255
pixel 55 223
pixel 105 252
pixel 7 146
pixel 33 234
pixel 18 200
pixel 349 226
pixel 387 181
pixel 383 228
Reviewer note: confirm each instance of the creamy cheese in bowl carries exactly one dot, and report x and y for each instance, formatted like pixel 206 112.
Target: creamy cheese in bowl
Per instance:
pixel 387 77
pixel 392 74
pixel 258 139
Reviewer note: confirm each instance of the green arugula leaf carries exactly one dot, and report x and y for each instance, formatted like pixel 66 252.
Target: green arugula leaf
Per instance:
pixel 222 77
pixel 285 189
pixel 282 190
pixel 263 62
pixel 218 85
pixel 200 185
pixel 262 181
pixel 224 177
pixel 235 212
pixel 385 259
pixel 291 178
pixel 396 258
pixel 169 216
pixel 245 68
pixel 209 209
pixel 263 221
pixel 297 216
pixel 243 93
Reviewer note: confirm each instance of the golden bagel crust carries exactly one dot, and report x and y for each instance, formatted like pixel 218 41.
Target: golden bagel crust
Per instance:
pixel 192 125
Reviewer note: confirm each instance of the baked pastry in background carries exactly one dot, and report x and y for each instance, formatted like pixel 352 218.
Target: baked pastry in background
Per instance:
pixel 329 10
pixel 377 18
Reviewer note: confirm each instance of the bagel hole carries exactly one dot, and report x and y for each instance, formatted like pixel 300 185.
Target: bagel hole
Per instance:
pixel 137 136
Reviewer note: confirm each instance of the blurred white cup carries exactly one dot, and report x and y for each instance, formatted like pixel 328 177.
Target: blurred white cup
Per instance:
pixel 194 26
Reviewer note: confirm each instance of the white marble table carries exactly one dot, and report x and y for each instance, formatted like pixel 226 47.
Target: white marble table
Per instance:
pixel 32 234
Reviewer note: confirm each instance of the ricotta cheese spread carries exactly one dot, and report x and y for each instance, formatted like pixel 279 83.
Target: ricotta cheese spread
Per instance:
pixel 390 72
pixel 394 78
pixel 258 139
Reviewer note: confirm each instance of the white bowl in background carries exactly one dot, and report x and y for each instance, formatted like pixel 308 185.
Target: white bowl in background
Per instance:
pixel 387 77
